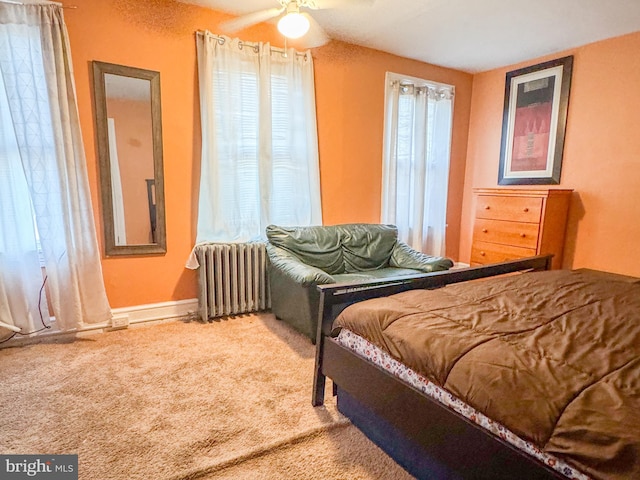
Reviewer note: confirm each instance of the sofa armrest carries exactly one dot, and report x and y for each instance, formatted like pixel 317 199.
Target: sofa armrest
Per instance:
pixel 403 256
pixel 290 266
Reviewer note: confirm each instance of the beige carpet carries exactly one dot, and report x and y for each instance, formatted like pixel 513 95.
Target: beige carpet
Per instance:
pixel 176 401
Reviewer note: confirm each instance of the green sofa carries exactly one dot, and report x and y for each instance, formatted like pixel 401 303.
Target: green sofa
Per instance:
pixel 300 258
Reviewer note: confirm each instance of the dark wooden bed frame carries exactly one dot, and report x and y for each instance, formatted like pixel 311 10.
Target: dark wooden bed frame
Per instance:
pixel 425 437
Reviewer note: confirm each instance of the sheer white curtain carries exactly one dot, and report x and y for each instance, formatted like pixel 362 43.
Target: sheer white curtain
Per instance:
pixel 416 162
pixel 119 225
pixel 259 139
pixel 44 187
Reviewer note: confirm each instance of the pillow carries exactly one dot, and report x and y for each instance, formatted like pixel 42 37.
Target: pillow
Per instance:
pixel 367 246
pixel 316 246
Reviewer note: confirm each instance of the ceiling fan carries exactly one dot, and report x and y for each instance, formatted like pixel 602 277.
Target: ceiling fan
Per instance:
pixel 294 21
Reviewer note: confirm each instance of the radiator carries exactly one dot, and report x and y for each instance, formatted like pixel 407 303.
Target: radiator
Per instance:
pixel 232 279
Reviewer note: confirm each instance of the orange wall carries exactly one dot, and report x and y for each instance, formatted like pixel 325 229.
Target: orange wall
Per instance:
pixel 159 35
pixel 601 153
pixel 350 96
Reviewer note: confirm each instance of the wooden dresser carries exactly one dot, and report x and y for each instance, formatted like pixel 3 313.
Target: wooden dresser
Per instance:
pixel 514 223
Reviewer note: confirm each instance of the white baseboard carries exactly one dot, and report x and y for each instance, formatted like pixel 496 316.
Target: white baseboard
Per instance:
pixel 153 312
pixel 158 311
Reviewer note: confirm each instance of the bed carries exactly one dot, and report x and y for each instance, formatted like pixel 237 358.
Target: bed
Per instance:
pixel 413 369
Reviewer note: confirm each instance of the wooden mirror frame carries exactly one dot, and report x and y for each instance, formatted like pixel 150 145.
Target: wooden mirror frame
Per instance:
pixel 111 249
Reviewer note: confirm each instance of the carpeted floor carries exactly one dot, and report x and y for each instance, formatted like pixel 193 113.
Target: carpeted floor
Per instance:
pixel 177 401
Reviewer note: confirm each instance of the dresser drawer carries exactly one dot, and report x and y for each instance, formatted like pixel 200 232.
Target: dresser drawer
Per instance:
pixel 521 209
pixel 482 253
pixel 518 234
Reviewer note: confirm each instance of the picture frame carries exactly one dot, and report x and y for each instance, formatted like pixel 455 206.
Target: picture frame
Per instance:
pixel 534 120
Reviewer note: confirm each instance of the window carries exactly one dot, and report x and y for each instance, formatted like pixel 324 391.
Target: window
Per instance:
pixel 417 138
pixel 259 148
pixel 43 179
pixel 18 211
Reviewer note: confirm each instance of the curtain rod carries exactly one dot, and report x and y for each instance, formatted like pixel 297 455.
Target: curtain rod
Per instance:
pixel 45 2
pixel 434 86
pixel 242 43
pixel 431 91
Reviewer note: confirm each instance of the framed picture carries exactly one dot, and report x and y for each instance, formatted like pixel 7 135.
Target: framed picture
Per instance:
pixel 536 100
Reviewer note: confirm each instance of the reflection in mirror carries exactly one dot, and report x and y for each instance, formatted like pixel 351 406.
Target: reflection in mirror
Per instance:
pixel 128 122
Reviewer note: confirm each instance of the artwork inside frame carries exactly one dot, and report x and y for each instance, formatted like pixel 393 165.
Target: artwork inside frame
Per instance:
pixel 533 125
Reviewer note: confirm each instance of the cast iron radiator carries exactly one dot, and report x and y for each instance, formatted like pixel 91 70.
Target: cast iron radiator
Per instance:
pixel 232 279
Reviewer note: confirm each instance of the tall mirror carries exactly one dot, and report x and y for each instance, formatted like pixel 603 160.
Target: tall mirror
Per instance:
pixel 129 131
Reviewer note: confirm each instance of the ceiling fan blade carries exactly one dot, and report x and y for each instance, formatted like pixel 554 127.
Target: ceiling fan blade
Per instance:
pixel 316 37
pixel 245 21
pixel 322 4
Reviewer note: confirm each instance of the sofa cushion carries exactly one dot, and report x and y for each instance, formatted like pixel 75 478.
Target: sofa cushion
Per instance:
pixel 374 274
pixel 367 246
pixel 316 246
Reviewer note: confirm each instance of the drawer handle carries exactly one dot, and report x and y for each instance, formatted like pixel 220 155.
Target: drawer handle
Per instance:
pixel 487 207
pixel 526 209
pixel 523 235
pixel 482 254
pixel 484 230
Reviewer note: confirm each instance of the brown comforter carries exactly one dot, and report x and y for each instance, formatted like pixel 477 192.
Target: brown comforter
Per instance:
pixel 553 356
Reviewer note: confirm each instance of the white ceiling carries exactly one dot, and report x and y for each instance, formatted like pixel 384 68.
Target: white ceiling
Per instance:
pixel 468 35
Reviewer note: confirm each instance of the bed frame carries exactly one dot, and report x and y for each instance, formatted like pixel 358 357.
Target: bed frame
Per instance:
pixel 426 438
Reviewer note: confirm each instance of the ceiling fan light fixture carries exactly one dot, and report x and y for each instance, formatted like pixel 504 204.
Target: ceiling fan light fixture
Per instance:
pixel 293 24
